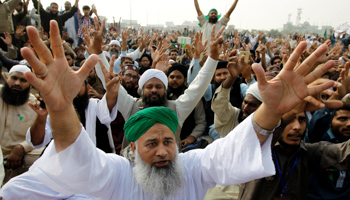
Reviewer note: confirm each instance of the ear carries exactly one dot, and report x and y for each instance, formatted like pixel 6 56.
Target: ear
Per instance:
pixel 133 146
pixel 185 80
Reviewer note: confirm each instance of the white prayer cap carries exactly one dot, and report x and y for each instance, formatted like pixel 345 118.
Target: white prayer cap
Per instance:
pixel 19 68
pixel 107 54
pixel 254 90
pixel 116 42
pixel 153 73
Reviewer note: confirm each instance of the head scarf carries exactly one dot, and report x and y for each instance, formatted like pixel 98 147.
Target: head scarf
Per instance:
pixel 19 68
pixel 254 90
pixel 143 120
pixel 179 67
pixel 153 73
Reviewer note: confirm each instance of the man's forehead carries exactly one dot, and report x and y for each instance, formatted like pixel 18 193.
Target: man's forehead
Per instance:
pixel 17 74
pixel 130 72
pixel 343 112
pixel 176 73
pixel 221 70
pixel 157 132
pixel 251 99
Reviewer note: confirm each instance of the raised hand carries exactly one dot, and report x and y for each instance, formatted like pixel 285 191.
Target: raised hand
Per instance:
pixel 199 46
pixel 216 43
pixel 37 108
pixel 289 87
pixel 8 39
pixel 163 63
pixel 58 83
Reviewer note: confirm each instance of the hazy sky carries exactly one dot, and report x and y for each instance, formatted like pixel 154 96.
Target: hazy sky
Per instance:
pixel 249 14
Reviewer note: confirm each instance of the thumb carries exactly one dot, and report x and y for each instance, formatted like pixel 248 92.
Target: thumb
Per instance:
pixel 260 75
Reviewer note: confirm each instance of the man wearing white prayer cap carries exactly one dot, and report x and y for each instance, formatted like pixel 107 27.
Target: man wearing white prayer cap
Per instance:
pixel 16 116
pixel 227 117
pixel 114 48
pixel 153 85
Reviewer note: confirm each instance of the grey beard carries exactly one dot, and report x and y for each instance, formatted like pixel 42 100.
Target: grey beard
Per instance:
pixel 116 53
pixel 159 182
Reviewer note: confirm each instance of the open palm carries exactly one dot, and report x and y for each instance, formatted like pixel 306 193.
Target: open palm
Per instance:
pixel 61 84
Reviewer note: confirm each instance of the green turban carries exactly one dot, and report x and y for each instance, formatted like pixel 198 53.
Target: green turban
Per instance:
pixel 143 120
pixel 212 10
pixel 207 16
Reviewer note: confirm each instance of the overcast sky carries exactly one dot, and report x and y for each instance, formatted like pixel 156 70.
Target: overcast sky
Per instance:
pixel 249 14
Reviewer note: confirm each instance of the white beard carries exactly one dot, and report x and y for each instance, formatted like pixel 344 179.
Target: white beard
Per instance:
pixel 159 182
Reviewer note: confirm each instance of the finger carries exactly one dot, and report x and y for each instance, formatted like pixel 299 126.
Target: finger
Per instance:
pixel 260 75
pixel 111 65
pixel 333 104
pixel 319 88
pixel 40 48
pixel 88 65
pixel 102 25
pixel 205 44
pixel 310 61
pixel 56 41
pixel 103 68
pixel 36 64
pixel 220 31
pixel 113 82
pixel 97 25
pixel 213 31
pixel 294 58
pixel 318 73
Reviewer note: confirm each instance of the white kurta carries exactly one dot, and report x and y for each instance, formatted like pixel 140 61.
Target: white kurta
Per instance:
pixel 81 168
pixel 96 108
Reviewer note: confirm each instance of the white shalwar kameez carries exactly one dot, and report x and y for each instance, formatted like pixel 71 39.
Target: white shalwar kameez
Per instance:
pixel 83 169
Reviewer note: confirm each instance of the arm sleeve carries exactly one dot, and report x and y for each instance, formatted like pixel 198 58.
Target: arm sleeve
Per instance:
pixel 201 122
pixel 33 15
pixel 330 155
pixel 7 63
pixel 187 101
pixel 103 113
pixel 13 4
pixel 11 52
pixel 136 54
pixel 237 158
pixel 224 112
pixel 193 70
pixel 83 165
pixel 202 20
pixel 47 136
pixel 65 16
pixel 224 20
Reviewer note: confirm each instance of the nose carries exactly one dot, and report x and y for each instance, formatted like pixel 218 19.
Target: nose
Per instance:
pixel 17 82
pixel 154 90
pixel 161 151
pixel 296 125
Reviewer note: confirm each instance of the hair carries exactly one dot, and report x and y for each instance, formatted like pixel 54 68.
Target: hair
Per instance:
pixel 345 107
pixel 86 7
pixel 173 50
pixel 274 58
pixel 70 40
pixel 53 3
pixel 20 3
pixel 68 53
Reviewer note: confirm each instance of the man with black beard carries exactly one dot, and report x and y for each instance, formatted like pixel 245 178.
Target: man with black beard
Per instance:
pixel 296 160
pixel 129 79
pixel 207 22
pixel 93 114
pixel 16 117
pixel 46 17
pixel 195 124
pixel 114 48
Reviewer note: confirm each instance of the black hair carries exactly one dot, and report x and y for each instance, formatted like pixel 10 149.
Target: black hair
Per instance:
pixel 86 7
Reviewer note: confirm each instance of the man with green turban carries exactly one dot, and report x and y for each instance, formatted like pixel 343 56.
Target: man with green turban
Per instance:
pixel 206 22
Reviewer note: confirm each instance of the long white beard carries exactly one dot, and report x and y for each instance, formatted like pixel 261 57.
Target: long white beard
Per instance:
pixel 159 182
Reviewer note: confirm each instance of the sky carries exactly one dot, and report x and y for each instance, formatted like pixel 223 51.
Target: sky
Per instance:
pixel 249 14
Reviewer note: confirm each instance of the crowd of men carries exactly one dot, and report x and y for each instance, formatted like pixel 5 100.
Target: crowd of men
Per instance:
pixel 96 111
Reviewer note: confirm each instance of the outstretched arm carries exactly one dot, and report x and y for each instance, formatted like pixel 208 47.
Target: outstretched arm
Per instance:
pixel 232 8
pixel 199 12
pixel 59 84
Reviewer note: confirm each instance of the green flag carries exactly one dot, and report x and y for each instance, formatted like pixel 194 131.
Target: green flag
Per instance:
pixel 325 33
